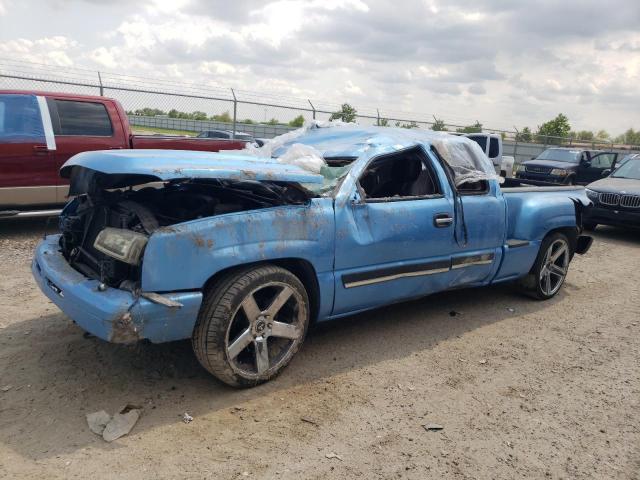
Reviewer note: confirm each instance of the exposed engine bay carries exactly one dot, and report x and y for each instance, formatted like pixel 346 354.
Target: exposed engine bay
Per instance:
pixel 145 210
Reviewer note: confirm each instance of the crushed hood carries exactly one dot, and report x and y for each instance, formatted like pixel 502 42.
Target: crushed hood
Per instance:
pixel 89 171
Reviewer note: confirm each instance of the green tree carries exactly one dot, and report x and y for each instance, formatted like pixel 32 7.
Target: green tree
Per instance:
pixel 603 134
pixel 475 128
pixel 248 121
pixel 273 121
pixel 524 135
pixel 555 130
pixel 297 122
pixel 383 122
pixel 584 135
pixel 148 112
pixel 223 117
pixel 438 125
pixel 630 137
pixel 197 115
pixel 346 113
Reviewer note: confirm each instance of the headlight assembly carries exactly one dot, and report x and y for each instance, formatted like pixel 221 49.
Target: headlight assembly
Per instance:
pixel 593 196
pixel 121 244
pixel 521 168
pixel 560 172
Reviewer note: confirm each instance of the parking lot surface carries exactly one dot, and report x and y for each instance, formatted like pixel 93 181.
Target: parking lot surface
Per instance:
pixel 521 388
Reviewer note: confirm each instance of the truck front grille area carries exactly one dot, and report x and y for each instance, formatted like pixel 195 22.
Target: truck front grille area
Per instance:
pixel 615 200
pixel 536 169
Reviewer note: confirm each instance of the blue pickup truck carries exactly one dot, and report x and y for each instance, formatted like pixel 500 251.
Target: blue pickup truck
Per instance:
pixel 242 251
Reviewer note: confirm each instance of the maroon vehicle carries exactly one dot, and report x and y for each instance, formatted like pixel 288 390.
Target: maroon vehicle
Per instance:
pixel 39 131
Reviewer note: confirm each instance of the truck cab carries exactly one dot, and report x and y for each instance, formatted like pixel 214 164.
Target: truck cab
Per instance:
pixel 40 131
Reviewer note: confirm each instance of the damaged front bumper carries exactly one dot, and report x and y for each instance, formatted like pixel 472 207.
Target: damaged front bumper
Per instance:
pixel 113 315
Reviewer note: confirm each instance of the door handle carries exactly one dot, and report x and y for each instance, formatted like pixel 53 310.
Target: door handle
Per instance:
pixel 40 149
pixel 442 220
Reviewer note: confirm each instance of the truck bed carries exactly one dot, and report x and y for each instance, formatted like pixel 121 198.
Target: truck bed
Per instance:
pixel 184 143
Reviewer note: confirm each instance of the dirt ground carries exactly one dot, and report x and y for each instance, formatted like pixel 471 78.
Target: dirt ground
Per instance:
pixel 523 389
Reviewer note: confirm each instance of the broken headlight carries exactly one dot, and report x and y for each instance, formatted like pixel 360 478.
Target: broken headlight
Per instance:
pixel 123 245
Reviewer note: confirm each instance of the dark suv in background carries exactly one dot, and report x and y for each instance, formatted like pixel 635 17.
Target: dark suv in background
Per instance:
pixel 568 166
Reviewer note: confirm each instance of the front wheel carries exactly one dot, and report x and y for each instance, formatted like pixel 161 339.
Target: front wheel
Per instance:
pixel 251 325
pixel 550 268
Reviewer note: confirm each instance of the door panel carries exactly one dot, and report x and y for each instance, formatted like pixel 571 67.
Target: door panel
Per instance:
pixel 485 218
pixel 28 170
pixel 387 252
pixel 394 235
pixel 599 163
pixel 82 126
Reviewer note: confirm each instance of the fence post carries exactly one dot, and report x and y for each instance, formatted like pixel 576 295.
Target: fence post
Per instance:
pixel 101 86
pixel 235 112
pixel 313 109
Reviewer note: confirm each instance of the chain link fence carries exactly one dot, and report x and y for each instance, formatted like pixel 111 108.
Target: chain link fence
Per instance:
pixel 177 108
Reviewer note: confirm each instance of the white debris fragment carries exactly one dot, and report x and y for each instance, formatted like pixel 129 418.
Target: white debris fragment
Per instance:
pixel 98 421
pixel 6 388
pixel 186 418
pixel 333 455
pixel 112 428
pixel 120 424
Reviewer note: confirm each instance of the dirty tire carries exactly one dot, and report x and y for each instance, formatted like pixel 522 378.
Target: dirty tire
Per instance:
pixel 223 312
pixel 533 284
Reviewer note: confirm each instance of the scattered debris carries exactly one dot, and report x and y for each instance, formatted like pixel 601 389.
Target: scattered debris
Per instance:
pixel 411 388
pixel 6 388
pixel 112 428
pixel 98 421
pixel 483 361
pixel 511 309
pixel 433 427
pixel 310 420
pixel 333 455
pixel 453 313
pixel 593 350
pixel 186 418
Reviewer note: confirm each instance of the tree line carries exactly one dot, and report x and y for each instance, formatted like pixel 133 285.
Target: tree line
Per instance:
pixel 555 131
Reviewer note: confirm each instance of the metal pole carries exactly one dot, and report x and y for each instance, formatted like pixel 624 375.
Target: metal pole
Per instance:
pixel 101 86
pixel 515 148
pixel 378 120
pixel 235 112
pixel 313 109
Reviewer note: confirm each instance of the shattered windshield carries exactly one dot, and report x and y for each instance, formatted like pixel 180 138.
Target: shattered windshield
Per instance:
pixel 332 178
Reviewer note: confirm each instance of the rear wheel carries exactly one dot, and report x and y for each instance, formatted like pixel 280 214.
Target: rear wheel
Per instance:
pixel 251 325
pixel 550 268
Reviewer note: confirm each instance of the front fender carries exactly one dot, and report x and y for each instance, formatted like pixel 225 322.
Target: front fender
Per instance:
pixel 185 256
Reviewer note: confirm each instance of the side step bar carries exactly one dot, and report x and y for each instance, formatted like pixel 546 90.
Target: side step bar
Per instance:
pixel 29 213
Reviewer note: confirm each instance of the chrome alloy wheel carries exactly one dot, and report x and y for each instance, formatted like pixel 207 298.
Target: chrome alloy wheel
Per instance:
pixel 265 330
pixel 554 267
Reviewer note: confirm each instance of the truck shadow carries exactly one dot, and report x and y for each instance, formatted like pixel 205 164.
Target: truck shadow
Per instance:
pixel 58 375
pixel 618 235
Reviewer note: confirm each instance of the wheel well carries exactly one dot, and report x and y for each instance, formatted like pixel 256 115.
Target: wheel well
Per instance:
pixel 300 268
pixel 571 233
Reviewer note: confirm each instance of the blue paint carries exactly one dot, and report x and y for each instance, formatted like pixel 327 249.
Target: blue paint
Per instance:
pixel 340 236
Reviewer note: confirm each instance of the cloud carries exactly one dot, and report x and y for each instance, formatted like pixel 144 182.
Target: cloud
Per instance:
pixel 504 62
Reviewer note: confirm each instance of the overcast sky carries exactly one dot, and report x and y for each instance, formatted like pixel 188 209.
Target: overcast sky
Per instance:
pixel 503 62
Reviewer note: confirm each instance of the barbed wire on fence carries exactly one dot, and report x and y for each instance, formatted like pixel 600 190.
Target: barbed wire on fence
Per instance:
pixel 186 108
